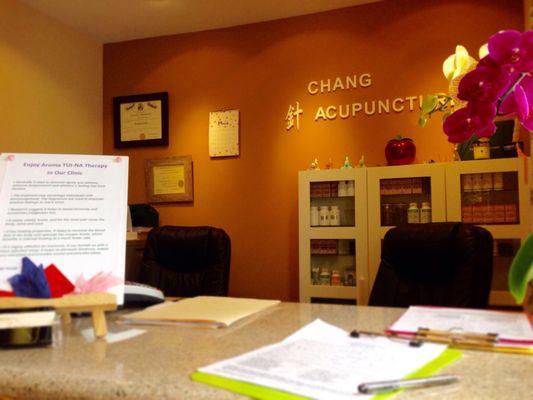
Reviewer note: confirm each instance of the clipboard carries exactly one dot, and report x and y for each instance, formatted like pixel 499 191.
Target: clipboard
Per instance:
pixel 458 336
pixel 447 357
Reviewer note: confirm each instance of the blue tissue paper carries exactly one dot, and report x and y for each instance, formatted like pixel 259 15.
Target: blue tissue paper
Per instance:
pixel 31 282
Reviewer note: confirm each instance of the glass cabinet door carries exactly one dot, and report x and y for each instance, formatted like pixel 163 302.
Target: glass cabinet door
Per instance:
pixel 405 200
pixel 332 203
pixel 490 198
pixel 333 262
pixel 332 236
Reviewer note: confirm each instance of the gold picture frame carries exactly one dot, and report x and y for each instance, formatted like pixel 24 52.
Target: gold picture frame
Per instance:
pixel 169 180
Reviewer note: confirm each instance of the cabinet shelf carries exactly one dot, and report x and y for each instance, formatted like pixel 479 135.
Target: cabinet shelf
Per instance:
pixel 332 197
pixel 333 292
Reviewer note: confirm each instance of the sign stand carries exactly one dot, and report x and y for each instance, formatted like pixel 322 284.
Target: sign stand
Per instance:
pixel 95 303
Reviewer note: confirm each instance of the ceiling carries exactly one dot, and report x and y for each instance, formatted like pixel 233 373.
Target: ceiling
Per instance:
pixel 120 20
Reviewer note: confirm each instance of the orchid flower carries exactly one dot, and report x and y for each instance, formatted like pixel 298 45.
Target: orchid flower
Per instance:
pixel 483 84
pixel 458 63
pixel 513 48
pixel 475 118
pixel 520 102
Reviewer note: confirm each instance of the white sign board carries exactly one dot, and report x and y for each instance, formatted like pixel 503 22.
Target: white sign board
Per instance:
pixel 224 133
pixel 66 210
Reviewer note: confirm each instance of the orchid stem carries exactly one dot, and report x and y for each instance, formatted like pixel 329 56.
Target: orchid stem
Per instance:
pixel 510 90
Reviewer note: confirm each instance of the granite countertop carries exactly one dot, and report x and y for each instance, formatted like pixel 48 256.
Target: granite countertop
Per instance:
pixel 157 364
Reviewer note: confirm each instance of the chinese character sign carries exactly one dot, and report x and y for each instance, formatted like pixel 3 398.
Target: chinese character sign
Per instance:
pixel 293 117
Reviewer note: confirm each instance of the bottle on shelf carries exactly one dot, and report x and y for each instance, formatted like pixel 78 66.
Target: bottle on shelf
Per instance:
pixel 425 213
pixel 323 213
pixel 334 216
pixel 325 277
pixel 467 183
pixel 413 214
pixel 486 182
pixel 477 182
pixel 315 219
pixel 343 247
pixel 335 278
pixel 497 181
pixel 342 189
pixel 387 214
pixel 315 272
pixel 400 215
pixel 349 277
pixel 350 190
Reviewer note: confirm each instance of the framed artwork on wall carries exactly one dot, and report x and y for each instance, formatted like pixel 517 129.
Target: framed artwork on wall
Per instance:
pixel 141 120
pixel 169 180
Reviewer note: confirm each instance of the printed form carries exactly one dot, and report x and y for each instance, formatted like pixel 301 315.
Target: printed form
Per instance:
pixel 323 362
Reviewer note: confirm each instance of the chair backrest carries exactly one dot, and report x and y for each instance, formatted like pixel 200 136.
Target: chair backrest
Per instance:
pixel 442 264
pixel 187 261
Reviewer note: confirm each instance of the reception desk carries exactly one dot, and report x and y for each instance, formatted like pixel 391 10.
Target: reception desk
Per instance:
pixel 157 364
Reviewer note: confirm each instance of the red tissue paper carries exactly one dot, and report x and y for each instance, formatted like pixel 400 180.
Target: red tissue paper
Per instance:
pixel 4 293
pixel 59 284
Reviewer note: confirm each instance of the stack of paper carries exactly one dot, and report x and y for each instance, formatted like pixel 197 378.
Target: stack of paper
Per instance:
pixel 204 311
pixel 513 328
pixel 322 361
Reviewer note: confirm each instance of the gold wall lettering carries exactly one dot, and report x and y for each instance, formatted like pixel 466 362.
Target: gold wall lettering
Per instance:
pixel 331 112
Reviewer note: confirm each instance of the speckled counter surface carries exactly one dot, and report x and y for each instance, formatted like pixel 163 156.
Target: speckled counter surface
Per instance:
pixel 157 364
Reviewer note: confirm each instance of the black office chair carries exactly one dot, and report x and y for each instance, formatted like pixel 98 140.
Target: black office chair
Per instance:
pixel 441 264
pixel 187 261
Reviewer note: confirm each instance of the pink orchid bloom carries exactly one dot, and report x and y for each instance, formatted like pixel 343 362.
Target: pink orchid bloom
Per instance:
pixel 484 84
pixel 512 47
pixel 520 102
pixel 475 118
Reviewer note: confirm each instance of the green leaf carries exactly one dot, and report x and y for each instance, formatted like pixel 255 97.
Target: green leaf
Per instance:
pixel 422 121
pixel 521 271
pixel 429 103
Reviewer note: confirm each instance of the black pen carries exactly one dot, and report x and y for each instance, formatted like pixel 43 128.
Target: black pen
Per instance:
pixel 389 386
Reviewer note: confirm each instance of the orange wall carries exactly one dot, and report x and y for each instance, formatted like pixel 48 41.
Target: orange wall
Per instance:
pixel 262 68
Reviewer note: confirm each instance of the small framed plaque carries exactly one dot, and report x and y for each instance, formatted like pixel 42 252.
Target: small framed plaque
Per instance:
pixel 169 180
pixel 141 120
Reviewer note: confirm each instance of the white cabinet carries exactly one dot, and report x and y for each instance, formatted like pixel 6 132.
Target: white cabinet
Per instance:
pixel 493 194
pixel 332 235
pixel 341 262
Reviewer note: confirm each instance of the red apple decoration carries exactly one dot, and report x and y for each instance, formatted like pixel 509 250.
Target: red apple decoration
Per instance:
pixel 400 151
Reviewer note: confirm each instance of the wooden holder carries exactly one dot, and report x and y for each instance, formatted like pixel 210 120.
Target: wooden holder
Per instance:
pixel 95 303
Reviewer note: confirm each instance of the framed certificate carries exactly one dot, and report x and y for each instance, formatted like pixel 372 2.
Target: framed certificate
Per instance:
pixel 169 179
pixel 141 120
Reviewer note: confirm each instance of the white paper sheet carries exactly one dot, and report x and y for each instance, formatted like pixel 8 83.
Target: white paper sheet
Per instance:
pixel 69 210
pixel 509 325
pixel 323 362
pixel 224 133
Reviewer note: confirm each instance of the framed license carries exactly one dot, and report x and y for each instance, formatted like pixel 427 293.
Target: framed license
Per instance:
pixel 169 179
pixel 141 120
